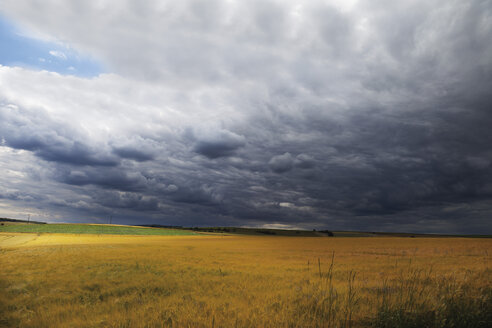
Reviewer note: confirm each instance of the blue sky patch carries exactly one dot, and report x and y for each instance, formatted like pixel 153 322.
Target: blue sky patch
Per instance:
pixel 23 51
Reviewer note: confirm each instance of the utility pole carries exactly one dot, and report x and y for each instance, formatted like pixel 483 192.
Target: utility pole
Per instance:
pixel 28 218
pixel 110 219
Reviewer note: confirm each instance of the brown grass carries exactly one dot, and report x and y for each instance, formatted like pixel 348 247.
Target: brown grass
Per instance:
pixel 236 281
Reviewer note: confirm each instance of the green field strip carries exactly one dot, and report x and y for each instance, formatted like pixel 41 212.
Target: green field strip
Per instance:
pixel 92 229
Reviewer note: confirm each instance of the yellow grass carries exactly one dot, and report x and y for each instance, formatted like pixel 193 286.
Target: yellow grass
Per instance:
pixel 56 280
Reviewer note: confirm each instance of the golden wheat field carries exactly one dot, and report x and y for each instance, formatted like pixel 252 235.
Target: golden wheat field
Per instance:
pixel 61 280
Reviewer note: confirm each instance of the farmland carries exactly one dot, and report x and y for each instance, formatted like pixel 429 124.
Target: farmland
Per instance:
pixel 89 229
pixel 110 280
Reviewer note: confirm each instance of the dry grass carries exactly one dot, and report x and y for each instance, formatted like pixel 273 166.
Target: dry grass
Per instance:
pixel 240 281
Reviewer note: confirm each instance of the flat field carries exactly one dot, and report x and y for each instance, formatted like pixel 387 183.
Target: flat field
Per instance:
pixel 66 280
pixel 89 229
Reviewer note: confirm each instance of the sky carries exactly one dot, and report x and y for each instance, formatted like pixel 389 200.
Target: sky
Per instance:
pixel 341 115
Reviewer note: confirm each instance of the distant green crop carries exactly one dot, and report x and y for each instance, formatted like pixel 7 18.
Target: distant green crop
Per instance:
pixel 91 229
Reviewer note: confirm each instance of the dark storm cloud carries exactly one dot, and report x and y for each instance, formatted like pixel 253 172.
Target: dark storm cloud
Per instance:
pixel 217 144
pixel 49 140
pixel 74 153
pixel 127 200
pixel 304 161
pixel 374 116
pixel 18 195
pixel 201 196
pixel 117 179
pixel 216 149
pixel 281 163
pixel 286 162
pixel 133 153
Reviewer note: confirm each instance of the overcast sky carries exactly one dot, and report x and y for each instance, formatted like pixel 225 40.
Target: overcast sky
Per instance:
pixel 353 115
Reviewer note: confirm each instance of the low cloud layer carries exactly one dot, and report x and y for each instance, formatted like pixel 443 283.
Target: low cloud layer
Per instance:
pixel 339 115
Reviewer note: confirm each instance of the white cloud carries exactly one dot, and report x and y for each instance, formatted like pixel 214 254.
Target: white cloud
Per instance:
pixel 58 54
pixel 279 226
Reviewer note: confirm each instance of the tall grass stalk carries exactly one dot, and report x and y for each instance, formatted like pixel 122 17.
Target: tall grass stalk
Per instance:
pixel 420 299
pixel 320 304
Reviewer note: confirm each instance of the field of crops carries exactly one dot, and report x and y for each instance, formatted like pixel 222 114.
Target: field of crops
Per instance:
pixel 90 229
pixel 61 280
